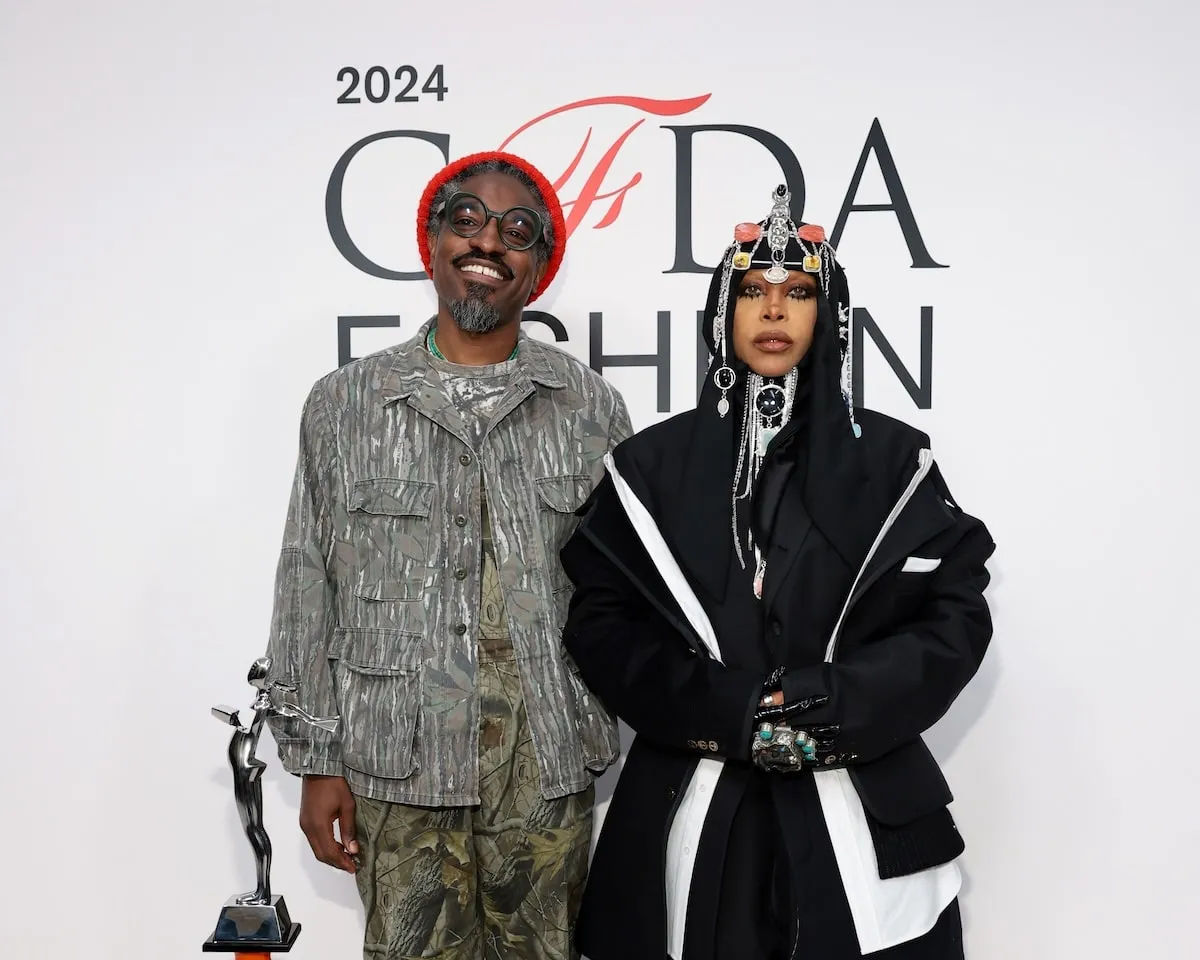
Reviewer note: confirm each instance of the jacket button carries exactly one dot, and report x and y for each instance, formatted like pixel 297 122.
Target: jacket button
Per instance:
pixel 461 520
pixel 670 793
pixel 460 574
pixel 465 459
pixel 460 629
pixel 776 628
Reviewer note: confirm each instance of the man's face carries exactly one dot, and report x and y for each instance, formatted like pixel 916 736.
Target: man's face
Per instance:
pixel 480 282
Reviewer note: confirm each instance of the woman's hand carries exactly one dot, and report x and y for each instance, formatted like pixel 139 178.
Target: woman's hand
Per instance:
pixel 773 709
pixel 778 743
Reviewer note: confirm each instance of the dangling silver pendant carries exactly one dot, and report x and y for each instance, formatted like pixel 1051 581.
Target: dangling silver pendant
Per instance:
pixel 760 574
pixel 771 401
pixel 724 378
pixel 776 274
pixel 764 439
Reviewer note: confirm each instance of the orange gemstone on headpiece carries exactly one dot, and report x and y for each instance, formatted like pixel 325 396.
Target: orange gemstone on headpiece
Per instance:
pixel 812 233
pixel 745 232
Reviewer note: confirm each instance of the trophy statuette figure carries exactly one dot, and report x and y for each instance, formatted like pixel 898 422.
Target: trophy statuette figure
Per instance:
pixel 256 923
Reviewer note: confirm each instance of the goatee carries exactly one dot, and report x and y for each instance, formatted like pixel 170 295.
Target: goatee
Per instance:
pixel 475 313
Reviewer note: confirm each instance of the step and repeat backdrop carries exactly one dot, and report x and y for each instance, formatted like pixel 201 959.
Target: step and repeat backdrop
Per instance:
pixel 207 207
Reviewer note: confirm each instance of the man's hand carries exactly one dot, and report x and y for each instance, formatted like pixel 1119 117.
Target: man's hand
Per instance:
pixel 322 801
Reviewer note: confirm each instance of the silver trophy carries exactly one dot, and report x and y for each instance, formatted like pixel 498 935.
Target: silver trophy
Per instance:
pixel 256 922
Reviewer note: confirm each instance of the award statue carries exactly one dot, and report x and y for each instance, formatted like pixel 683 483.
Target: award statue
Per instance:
pixel 256 923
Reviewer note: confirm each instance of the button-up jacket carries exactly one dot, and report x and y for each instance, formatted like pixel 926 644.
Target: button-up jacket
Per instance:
pixel 377 591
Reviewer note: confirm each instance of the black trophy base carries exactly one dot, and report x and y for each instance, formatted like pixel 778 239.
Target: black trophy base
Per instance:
pixel 253 928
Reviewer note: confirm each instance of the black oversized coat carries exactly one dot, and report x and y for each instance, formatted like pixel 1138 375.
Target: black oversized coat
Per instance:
pixel 909 642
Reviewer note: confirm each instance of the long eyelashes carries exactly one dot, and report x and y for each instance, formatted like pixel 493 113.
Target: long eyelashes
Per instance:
pixel 799 292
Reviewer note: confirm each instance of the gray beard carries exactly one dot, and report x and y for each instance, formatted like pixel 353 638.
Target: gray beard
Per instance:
pixel 475 313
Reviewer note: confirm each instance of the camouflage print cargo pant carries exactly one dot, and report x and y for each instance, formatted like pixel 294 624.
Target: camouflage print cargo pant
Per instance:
pixel 500 881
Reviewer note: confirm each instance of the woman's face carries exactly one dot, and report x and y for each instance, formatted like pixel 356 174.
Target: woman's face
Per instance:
pixel 773 322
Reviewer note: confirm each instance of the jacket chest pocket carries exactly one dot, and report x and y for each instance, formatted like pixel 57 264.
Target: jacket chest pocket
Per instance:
pixel 915 576
pixel 900 595
pixel 391 532
pixel 559 498
pixel 377 686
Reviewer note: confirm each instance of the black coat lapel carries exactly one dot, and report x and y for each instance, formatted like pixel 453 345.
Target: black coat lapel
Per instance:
pixel 843 499
pixel 697 501
pixel 792 526
pixel 607 526
pixel 925 516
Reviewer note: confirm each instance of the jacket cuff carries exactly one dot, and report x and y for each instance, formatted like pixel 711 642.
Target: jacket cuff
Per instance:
pixel 746 688
pixel 301 757
pixel 324 767
pixel 746 737
pixel 728 715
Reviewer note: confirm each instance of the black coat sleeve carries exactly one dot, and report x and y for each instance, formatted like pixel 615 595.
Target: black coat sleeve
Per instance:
pixel 636 660
pixel 896 685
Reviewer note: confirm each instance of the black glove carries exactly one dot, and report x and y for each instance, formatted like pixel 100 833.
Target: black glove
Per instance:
pixel 784 712
pixel 778 744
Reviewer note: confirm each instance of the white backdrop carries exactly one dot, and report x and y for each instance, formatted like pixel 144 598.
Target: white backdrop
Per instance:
pixel 170 289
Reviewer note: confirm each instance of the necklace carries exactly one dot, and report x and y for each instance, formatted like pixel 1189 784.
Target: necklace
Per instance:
pixel 433 347
pixel 768 408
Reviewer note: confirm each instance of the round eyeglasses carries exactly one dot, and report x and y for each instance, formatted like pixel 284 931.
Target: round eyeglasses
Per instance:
pixel 467 215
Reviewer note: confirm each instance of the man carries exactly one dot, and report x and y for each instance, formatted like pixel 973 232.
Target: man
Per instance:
pixel 420 598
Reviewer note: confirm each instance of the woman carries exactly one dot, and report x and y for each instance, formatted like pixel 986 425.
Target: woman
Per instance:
pixel 779 595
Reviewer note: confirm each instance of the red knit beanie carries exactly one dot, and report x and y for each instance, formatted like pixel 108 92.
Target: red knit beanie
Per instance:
pixel 548 196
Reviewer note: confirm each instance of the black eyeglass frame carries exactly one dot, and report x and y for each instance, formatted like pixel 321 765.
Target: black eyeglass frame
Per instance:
pixel 489 215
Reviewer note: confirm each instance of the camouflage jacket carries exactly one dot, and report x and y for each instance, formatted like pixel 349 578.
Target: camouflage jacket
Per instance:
pixel 377 591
